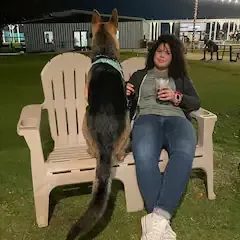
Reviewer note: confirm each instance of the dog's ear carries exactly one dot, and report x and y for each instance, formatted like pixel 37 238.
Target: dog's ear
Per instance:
pixel 96 18
pixel 114 18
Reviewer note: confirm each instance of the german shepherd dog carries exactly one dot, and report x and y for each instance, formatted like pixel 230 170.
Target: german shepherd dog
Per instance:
pixel 106 125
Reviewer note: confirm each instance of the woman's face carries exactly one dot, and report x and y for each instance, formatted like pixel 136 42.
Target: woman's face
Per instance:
pixel 162 57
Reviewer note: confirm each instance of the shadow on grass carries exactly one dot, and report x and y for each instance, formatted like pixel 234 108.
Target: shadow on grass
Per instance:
pixel 63 192
pixel 195 174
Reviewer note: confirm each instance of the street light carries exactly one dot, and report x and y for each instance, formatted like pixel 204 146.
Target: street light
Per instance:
pixel 195 15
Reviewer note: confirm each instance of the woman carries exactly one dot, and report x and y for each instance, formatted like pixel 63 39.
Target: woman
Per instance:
pixel 161 120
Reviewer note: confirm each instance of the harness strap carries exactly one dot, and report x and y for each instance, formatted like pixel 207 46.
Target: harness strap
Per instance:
pixel 113 63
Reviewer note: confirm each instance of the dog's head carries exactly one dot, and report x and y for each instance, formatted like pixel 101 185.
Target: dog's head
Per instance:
pixel 104 33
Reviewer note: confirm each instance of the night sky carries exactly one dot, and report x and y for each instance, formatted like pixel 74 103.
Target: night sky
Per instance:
pixel 16 10
pixel 158 9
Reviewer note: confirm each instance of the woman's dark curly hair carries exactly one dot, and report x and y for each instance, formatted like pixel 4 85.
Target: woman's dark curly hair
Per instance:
pixel 177 67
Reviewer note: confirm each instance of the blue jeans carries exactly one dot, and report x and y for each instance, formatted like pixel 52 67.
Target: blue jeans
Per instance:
pixel 152 133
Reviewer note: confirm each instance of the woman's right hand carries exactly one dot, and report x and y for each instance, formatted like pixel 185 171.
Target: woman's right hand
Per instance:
pixel 129 89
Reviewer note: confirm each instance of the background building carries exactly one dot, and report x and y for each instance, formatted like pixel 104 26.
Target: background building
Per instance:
pixel 215 29
pixel 71 30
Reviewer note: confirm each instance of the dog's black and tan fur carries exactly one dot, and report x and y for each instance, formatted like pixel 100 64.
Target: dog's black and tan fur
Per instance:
pixel 106 125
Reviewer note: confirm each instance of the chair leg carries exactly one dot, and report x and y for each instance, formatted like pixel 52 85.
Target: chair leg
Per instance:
pixel 41 200
pixel 210 184
pixel 134 201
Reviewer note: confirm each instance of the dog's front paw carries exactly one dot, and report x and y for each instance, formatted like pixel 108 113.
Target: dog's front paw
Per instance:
pixel 120 157
pixel 91 153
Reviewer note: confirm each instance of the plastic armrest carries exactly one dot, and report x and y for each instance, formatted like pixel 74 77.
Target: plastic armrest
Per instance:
pixel 206 122
pixel 203 114
pixel 30 119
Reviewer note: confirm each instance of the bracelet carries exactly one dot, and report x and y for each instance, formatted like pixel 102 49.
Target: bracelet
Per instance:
pixel 177 98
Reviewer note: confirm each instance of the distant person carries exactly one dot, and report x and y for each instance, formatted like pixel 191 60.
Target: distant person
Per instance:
pixel 186 44
pixel 211 47
pixel 221 34
pixel 237 35
pixel 231 35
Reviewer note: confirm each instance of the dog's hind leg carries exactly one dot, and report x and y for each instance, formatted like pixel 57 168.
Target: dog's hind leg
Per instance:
pixel 123 141
pixel 92 146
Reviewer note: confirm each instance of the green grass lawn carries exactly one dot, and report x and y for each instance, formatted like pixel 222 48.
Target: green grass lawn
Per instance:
pixel 198 218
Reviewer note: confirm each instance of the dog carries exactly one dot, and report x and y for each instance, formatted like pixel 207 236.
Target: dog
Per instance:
pixel 106 125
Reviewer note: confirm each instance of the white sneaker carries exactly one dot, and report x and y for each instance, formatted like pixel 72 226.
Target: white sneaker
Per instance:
pixel 156 227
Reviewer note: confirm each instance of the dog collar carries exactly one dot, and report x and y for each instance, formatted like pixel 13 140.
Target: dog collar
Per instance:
pixel 111 62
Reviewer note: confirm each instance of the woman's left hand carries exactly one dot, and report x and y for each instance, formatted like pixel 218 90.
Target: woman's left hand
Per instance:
pixel 166 94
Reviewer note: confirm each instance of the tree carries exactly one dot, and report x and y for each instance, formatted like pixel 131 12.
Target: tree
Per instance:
pixel 1 37
pixel 26 10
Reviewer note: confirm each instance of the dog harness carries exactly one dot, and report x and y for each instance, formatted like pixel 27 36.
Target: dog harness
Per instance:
pixel 115 64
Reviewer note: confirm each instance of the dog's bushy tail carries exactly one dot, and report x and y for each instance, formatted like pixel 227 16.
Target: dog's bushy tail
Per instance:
pixel 104 136
pixel 97 205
